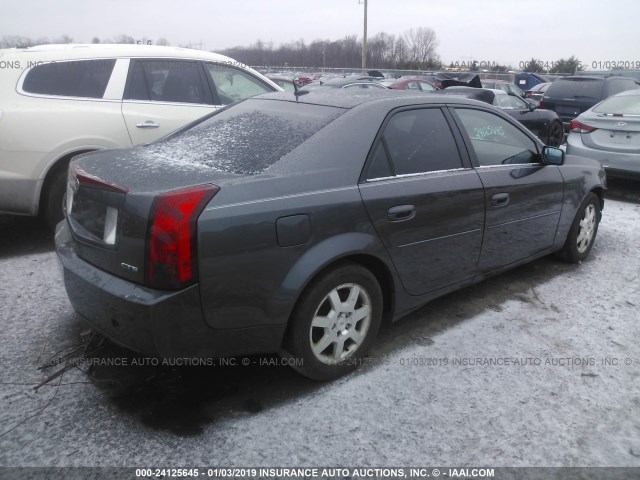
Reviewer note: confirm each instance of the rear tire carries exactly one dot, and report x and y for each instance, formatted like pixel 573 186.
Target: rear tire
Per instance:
pixel 52 203
pixel 335 322
pixel 583 230
pixel 556 134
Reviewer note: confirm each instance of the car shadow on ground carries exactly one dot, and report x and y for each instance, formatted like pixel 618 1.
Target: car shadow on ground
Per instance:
pixel 623 189
pixel 185 400
pixel 23 236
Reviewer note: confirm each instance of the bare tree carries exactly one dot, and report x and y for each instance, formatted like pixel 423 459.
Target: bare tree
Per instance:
pixel 122 39
pixel 421 43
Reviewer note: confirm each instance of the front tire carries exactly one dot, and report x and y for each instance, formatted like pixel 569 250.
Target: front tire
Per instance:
pixel 583 230
pixel 556 134
pixel 334 323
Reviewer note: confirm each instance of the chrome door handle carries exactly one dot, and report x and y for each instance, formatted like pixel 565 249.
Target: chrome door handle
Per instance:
pixel 401 212
pixel 148 124
pixel 500 200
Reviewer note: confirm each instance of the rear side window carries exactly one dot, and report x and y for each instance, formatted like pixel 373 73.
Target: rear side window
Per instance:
pixel 247 138
pixel 167 81
pixel 415 141
pixel 83 78
pixel 585 88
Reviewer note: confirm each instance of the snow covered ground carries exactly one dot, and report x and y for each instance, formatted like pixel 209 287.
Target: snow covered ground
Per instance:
pixel 537 367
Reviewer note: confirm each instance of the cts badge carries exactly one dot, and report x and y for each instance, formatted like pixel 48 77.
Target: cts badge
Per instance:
pixel 128 267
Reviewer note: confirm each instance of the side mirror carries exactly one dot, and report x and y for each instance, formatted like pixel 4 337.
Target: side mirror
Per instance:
pixel 552 156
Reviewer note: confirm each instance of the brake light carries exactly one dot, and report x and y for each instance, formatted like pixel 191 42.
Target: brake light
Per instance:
pixel 577 127
pixel 541 104
pixel 171 238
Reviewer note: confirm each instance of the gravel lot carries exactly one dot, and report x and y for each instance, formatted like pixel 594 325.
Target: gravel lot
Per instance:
pixel 537 367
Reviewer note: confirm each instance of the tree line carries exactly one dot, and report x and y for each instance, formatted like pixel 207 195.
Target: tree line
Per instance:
pixel 415 49
pixel 412 50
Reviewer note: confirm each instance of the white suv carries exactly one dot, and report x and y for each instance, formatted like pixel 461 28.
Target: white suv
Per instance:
pixel 57 101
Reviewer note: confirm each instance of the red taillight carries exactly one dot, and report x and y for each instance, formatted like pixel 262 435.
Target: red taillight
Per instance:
pixel 438 85
pixel 171 261
pixel 577 127
pixel 541 104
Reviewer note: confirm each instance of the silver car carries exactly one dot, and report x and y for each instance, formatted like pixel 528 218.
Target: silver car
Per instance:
pixel 610 132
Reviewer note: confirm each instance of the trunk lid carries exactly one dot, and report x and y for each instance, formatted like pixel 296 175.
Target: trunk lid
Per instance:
pixel 109 199
pixel 620 133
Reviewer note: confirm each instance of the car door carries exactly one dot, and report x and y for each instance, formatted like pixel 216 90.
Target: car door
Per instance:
pixel 162 95
pixel 424 199
pixel 523 197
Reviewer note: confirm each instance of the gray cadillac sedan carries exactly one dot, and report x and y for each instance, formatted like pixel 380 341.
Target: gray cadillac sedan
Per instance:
pixel 297 223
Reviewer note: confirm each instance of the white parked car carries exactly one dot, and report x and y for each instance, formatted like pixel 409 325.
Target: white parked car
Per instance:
pixel 57 101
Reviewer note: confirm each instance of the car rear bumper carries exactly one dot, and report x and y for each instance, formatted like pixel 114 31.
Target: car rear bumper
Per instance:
pixel 615 163
pixel 158 323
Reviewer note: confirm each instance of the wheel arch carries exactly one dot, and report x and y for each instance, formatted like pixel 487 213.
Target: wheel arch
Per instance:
pixel 599 191
pixel 61 163
pixel 314 264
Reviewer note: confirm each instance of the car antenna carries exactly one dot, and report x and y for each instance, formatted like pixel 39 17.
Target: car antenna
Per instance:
pixel 296 90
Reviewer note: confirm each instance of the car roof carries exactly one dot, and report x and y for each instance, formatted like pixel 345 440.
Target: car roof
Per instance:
pixel 104 50
pixel 349 99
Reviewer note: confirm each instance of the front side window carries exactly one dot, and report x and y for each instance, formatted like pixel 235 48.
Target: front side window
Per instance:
pixel 82 78
pixel 233 84
pixel 166 81
pixel 495 140
pixel 414 141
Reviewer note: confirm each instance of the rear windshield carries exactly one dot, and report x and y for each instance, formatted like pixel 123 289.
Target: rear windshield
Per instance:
pixel 624 105
pixel 576 88
pixel 246 138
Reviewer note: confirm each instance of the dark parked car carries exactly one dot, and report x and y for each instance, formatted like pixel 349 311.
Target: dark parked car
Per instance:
pixel 537 91
pixel 570 96
pixel 508 87
pixel 296 224
pixel 409 83
pixel 545 124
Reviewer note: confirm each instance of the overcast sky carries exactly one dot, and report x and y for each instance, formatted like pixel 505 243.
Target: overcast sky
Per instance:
pixel 503 31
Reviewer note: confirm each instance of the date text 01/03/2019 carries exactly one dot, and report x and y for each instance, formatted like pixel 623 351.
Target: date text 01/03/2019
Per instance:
pixel 594 65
